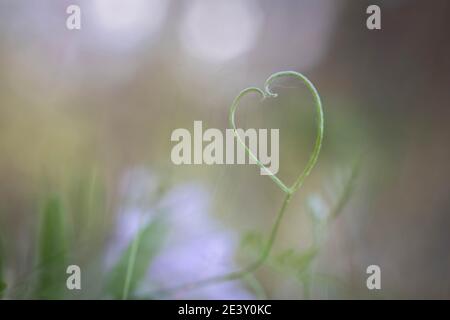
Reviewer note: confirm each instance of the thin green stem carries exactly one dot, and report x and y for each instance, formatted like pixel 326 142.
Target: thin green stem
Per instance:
pixel 256 286
pixel 232 122
pixel 130 267
pixel 240 273
pixel 267 93
pixel 286 190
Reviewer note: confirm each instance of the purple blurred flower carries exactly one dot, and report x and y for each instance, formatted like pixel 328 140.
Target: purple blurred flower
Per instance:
pixel 196 246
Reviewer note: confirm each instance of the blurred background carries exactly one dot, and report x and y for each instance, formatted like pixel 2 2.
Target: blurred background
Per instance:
pixel 85 171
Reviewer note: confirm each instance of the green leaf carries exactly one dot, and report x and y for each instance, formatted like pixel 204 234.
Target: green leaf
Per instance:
pixel 52 251
pixel 146 245
pixel 253 241
pixel 294 261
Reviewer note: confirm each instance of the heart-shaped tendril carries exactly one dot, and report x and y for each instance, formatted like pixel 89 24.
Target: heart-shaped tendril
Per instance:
pixel 267 93
pixel 289 191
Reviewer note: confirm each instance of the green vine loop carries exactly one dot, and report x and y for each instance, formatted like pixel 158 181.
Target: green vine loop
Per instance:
pixel 247 149
pixel 289 191
pixel 319 134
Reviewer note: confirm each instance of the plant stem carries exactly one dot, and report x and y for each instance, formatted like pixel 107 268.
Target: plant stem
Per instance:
pixel 243 272
pixel 289 192
pixel 130 266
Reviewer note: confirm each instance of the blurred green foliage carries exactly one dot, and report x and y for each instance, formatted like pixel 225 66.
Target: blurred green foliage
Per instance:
pixel 147 242
pixel 52 250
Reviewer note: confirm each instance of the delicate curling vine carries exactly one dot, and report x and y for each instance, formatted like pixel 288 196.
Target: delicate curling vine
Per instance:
pixel 319 135
pixel 288 191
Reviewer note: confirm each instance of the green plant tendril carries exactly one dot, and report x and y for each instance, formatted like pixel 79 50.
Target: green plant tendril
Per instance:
pixel 319 135
pixel 289 191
